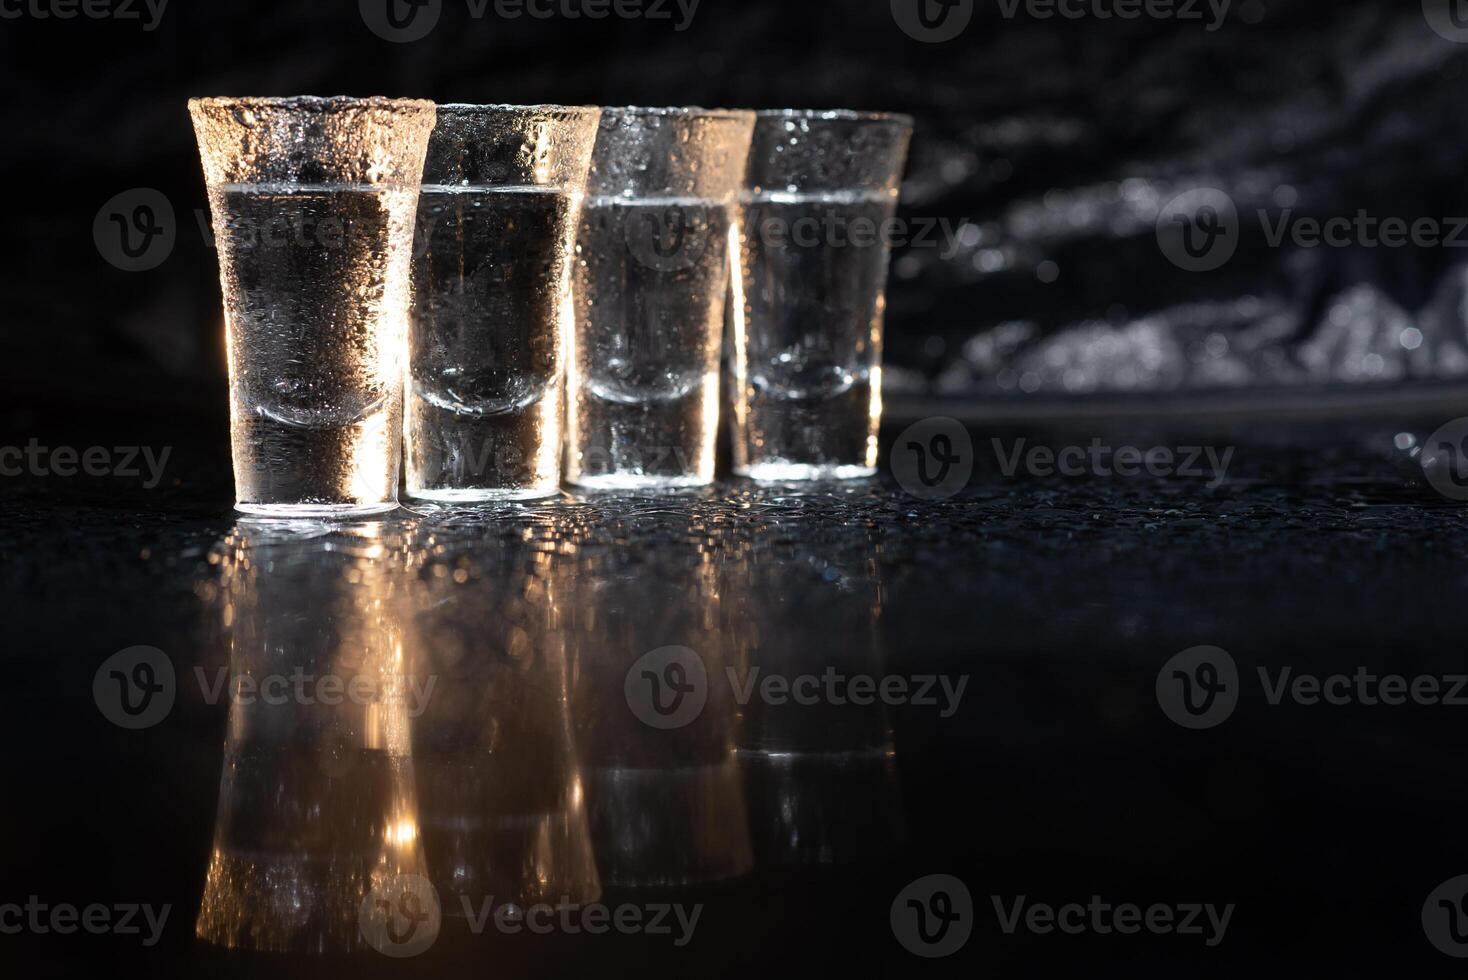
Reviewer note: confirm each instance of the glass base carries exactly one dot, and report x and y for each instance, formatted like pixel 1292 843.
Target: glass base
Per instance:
pixel 295 511
pixel 783 472
pixel 634 481
pixel 482 495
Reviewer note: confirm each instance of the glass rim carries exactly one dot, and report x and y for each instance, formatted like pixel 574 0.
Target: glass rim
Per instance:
pixel 675 111
pixel 313 103
pixel 838 115
pixel 465 108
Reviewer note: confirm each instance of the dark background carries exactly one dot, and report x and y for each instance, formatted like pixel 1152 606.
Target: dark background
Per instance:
pixel 1047 146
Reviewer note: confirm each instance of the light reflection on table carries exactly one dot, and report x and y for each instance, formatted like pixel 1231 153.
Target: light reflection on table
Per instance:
pixel 453 696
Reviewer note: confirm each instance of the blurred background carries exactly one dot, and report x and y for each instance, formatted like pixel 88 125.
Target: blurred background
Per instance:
pixel 1049 151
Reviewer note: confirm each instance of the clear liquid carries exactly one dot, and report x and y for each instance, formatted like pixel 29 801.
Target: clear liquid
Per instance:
pixel 651 278
pixel 486 342
pixel 315 281
pixel 809 338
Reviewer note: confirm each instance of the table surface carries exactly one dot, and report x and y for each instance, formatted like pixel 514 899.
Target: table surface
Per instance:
pixel 531 769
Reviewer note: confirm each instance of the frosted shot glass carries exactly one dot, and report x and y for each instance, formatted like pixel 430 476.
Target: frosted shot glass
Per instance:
pixel 492 317
pixel 313 202
pixel 652 273
pixel 807 326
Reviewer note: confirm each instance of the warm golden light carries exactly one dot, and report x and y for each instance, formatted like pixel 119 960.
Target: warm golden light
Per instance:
pixel 317 796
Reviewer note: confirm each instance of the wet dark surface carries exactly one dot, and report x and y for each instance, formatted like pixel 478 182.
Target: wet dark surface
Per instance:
pixel 526 772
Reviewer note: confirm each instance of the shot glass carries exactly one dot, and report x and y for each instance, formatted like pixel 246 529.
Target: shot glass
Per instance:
pixel 313 202
pixel 502 192
pixel 807 326
pixel 652 274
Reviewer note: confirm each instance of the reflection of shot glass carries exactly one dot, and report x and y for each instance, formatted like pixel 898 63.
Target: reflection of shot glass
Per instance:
pixel 820 773
pixel 317 811
pixel 816 218
pixel 655 726
pixel 502 190
pixel 652 273
pixel 501 798
pixel 313 202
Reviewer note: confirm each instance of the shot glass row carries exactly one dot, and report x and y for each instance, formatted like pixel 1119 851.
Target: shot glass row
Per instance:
pixel 495 299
